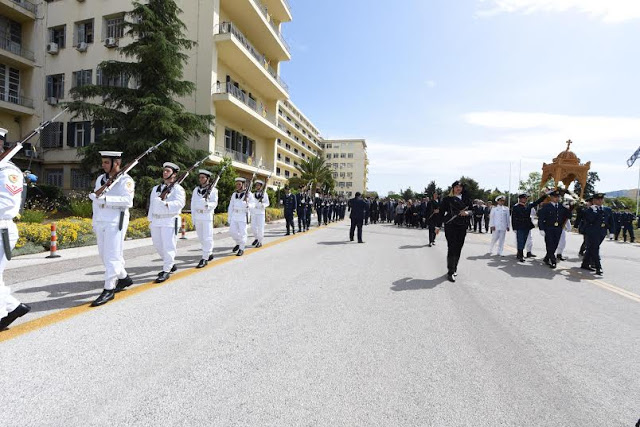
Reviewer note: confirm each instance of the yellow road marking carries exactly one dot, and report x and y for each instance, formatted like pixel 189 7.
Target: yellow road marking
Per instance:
pixel 68 313
pixel 601 283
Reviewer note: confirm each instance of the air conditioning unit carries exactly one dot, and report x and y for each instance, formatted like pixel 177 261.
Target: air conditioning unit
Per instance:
pixel 111 42
pixel 52 48
pixel 52 100
pixel 30 154
pixel 82 47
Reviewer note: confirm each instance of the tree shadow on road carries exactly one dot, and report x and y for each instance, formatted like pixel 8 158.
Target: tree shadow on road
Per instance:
pixel 413 246
pixel 411 284
pixel 333 243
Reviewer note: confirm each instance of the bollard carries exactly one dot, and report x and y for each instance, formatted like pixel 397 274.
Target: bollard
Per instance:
pixel 54 242
pixel 183 230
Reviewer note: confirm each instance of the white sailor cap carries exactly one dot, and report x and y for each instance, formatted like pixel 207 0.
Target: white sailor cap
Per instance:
pixel 204 172
pixel 3 132
pixel 240 179
pixel 111 154
pixel 500 197
pixel 258 181
pixel 171 166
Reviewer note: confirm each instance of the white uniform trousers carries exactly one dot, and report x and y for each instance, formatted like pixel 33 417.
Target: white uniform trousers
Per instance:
pixel 529 245
pixel 165 240
pixel 498 237
pixel 238 231
pixel 257 226
pixel 7 302
pixel 110 247
pixel 204 230
pixel 563 242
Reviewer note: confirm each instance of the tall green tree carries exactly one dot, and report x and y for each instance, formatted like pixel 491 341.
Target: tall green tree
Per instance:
pixel 316 169
pixel 471 189
pixel 144 110
pixel 590 188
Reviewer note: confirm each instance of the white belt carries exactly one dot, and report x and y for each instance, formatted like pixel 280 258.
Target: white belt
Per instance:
pixel 120 208
pixel 203 211
pixel 239 210
pixel 161 216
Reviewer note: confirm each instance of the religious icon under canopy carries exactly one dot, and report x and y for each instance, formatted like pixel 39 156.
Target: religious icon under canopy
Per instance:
pixel 566 168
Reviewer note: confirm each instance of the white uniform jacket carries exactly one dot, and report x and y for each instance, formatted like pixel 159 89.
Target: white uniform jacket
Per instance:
pixel 260 203
pixel 201 209
pixel 118 199
pixel 500 218
pixel 165 213
pixel 11 180
pixel 238 207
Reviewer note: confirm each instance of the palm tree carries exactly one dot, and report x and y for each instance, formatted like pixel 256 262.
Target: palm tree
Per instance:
pixel 317 171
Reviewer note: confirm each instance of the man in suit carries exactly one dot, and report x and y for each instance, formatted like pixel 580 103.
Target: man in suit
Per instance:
pixel 358 208
pixel 598 220
pixel 289 203
pixel 522 223
pixel 551 219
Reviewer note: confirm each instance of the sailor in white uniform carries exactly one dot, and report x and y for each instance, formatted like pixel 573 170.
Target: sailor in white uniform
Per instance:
pixel 258 215
pixel 110 223
pixel 11 188
pixel 164 216
pixel 500 223
pixel 238 213
pixel 203 204
pixel 529 244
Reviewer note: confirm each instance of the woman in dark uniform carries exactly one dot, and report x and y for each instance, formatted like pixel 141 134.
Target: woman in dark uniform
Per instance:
pixel 455 209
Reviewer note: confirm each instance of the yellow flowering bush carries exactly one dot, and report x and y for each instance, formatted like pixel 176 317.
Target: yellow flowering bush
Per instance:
pixel 220 220
pixel 39 234
pixel 273 214
pixel 138 228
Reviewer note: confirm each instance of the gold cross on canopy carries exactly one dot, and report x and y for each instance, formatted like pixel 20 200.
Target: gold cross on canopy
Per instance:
pixel 569 142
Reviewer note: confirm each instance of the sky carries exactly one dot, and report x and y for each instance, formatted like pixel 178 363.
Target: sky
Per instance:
pixel 488 89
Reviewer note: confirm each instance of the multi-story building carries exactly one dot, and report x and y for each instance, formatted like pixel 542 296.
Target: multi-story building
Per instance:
pixel 20 73
pixel 348 160
pixel 301 141
pixel 235 67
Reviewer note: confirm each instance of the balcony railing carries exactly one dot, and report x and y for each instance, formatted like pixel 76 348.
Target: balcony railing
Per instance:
pixel 245 99
pixel 234 155
pixel 26 5
pixel 264 11
pixel 16 48
pixel 229 28
pixel 16 99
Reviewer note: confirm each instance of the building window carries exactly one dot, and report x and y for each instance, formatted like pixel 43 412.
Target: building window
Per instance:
pixel 9 87
pixel 118 80
pixel 350 155
pixel 328 145
pixel 279 156
pixel 79 134
pixel 286 174
pixel 349 184
pixel 295 150
pixel 287 146
pixel 83 32
pixel 328 156
pixel 342 165
pixel 114 27
pixel 349 193
pixel 335 174
pixel 80 180
pixel 277 171
pixel 341 184
pixel 55 86
pixel 239 143
pixel 53 135
pixel 336 155
pixel 343 155
pixel 349 174
pixel 81 78
pixel 58 35
pixel 287 160
pixel 55 177
pixel 342 174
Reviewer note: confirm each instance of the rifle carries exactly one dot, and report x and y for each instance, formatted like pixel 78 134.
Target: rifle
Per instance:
pixel 253 177
pixel 8 155
pixel 181 179
pixel 215 183
pixel 104 189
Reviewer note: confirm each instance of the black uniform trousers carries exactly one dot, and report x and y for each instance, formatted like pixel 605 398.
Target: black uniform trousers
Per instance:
pixel 455 235
pixel 477 223
pixel 628 228
pixel 302 218
pixel 288 216
pixel 356 223
pixel 308 217
pixel 592 252
pixel 552 239
pixel 432 233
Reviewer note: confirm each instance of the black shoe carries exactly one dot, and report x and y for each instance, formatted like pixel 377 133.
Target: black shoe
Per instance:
pixel 581 254
pixel 174 268
pixel 586 267
pixel 105 297
pixel 285 235
pixel 123 283
pixel 202 263
pixel 429 245
pixel 599 272
pixel 210 257
pixel 163 276
pixel 552 264
pixel 254 242
pixel 240 253
pixel 259 245
pixel 545 260
pixel 236 247
pixel 559 257
pixel 451 278
pixel 530 255
pixel 360 241
pixel 351 239
pixel 19 311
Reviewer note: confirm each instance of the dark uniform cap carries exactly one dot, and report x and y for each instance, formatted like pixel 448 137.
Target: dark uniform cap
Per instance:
pixel 555 193
pixel 456 183
pixel 522 195
pixel 598 196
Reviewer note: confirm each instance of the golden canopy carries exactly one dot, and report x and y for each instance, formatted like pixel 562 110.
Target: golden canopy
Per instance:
pixel 566 168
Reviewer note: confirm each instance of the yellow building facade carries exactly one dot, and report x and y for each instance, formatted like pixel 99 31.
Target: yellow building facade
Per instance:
pixel 348 160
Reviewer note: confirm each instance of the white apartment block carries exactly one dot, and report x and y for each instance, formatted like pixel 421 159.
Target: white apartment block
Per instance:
pixel 348 160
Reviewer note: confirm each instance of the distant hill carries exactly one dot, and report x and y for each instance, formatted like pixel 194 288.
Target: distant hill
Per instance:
pixel 621 193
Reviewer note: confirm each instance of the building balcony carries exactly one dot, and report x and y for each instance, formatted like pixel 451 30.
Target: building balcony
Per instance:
pixel 258 25
pixel 290 139
pixel 280 9
pixel 241 161
pixel 14 55
pixel 18 10
pixel 236 106
pixel 235 50
pixel 16 104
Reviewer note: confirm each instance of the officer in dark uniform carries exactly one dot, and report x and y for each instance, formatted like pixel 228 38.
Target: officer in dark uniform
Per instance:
pixel 422 212
pixel 487 215
pixel 551 219
pixel 478 214
pixel 289 203
pixel 318 205
pixel 617 219
pixel 521 221
pixel 359 211
pixel 301 209
pixel 456 208
pixel 580 224
pixel 325 209
pixel 627 226
pixel 598 221
pixel 434 219
pixel 308 201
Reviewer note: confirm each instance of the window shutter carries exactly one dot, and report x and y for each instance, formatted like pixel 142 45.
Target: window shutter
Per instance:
pixel 49 86
pixel 99 127
pixel 61 135
pixel 87 133
pixel 99 76
pixel 71 130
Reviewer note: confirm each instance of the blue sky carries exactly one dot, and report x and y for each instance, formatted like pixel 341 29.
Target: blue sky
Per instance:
pixel 442 88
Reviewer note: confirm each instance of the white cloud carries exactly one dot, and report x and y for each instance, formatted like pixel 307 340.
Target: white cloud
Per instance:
pixel 609 11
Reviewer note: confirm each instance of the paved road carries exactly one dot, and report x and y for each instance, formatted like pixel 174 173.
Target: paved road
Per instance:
pixel 317 331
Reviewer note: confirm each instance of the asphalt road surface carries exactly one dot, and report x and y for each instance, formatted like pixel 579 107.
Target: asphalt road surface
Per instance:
pixel 316 330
